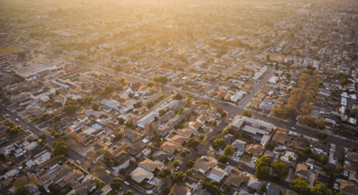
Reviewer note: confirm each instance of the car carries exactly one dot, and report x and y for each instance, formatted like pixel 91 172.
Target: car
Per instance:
pixel 78 162
pixel 293 128
pixel 7 115
pixel 17 119
pixel 126 182
pixel 227 163
pixel 343 138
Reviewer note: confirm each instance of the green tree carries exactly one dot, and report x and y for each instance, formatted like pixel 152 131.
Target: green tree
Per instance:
pixel 45 117
pixel 211 187
pixel 20 182
pixel 88 99
pixel 162 111
pixel 95 106
pixel 57 118
pixel 247 113
pixel 223 159
pixel 150 84
pixel 229 150
pixel 262 172
pixel 177 97
pixel 280 169
pixel 178 177
pixel 71 107
pixel 116 183
pixel 299 185
pixel 320 189
pixel 190 164
pixel 321 135
pixel 42 136
pixel 164 172
pixel 176 163
pixel 22 191
pixel 324 159
pixel 61 148
pixel 121 121
pixel 117 136
pixel 193 143
pixel 128 192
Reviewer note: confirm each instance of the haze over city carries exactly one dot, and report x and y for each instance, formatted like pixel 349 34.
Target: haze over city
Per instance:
pixel 169 97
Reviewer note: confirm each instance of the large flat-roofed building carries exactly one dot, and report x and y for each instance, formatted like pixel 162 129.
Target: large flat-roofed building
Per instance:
pixel 239 122
pixel 33 69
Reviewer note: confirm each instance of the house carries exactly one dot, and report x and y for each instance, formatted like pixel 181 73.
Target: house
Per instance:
pixel 270 190
pixel 300 142
pixel 236 179
pixel 137 147
pixel 150 165
pixel 121 156
pixel 319 148
pixel 143 122
pixel 254 149
pixel 353 177
pixel 203 165
pixel 348 187
pixel 201 191
pixel 178 139
pixel 181 190
pixel 162 156
pixel 86 187
pixel 254 183
pixel 51 164
pixel 310 163
pixel 171 147
pixel 196 125
pixel 323 178
pixel 140 174
pixel 352 156
pixel 165 118
pixel 188 132
pixel 240 146
pixel 279 138
pixel 217 174
pixel 302 171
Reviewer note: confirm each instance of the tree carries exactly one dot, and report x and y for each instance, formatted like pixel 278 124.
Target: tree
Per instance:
pixel 320 189
pixel 178 177
pixel 229 150
pixel 176 163
pixel 162 79
pixel 223 159
pixel 71 107
pixel 211 187
pixel 262 172
pixel 19 182
pixel 164 172
pixel 128 192
pixel 193 143
pixel 117 136
pixel 22 191
pixel 162 111
pixel 177 97
pixel 116 183
pixel 95 106
pixel 121 121
pixel 324 159
pixel 137 105
pixel 263 168
pixel 54 189
pixel 88 99
pixel 166 191
pixel 321 135
pixel 57 118
pixel 280 169
pixel 61 148
pixel 247 113
pixel 42 136
pixel 45 117
pixel 150 84
pixel 299 185
pixel 190 164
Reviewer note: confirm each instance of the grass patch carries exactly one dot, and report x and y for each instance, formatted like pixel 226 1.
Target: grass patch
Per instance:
pixel 8 49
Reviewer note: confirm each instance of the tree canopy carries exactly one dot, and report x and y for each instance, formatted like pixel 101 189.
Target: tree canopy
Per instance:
pixel 299 185
pixel 61 148
pixel 178 177
pixel 280 169
pixel 116 183
pixel 229 150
